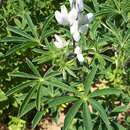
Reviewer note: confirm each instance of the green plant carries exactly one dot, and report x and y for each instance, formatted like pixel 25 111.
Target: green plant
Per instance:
pixel 86 68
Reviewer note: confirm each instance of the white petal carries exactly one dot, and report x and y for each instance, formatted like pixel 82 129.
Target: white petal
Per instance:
pixel 77 50
pixel 72 16
pixel 58 38
pixel 60 42
pixel 62 17
pixel 83 28
pixel 65 14
pixel 90 17
pixel 58 45
pixel 74 27
pixel 58 17
pixel 71 3
pixel 85 19
pixel 80 57
pixel 79 5
pixel 76 36
pixel 64 9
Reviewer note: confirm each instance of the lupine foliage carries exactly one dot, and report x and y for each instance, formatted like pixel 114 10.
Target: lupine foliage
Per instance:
pixel 37 77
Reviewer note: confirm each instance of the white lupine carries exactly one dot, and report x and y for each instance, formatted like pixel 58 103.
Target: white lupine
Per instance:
pixel 60 42
pixel 79 54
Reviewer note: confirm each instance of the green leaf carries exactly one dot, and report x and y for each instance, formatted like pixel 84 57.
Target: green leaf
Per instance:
pixel 120 109
pixel 71 114
pixel 39 96
pixel 61 85
pixel 37 118
pixel 97 106
pixel 20 32
pixel 70 72
pixel 27 99
pixel 31 25
pixel 87 117
pixel 3 96
pixel 28 108
pixel 19 47
pixel 19 87
pixel 118 126
pixel 23 75
pixel 32 67
pixel 106 91
pixel 15 39
pixel 61 100
pixel 46 24
pixel 89 79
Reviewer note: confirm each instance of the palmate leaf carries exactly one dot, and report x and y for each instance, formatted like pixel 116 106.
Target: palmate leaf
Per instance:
pixel 19 87
pixel 87 117
pixel 89 79
pixel 106 91
pixel 71 114
pixel 20 32
pixel 61 100
pixel 97 106
pixel 27 99
pixel 32 67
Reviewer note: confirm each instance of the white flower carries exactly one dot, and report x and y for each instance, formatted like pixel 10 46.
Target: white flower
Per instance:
pixel 72 16
pixel 80 57
pixel 77 50
pixel 60 42
pixel 75 31
pixel 79 54
pixel 85 19
pixel 62 17
pixel 78 22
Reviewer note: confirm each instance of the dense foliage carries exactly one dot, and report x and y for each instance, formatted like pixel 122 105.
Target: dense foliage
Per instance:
pixel 37 78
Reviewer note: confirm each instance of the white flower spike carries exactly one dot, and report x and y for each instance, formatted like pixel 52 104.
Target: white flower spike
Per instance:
pixel 77 22
pixel 60 42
